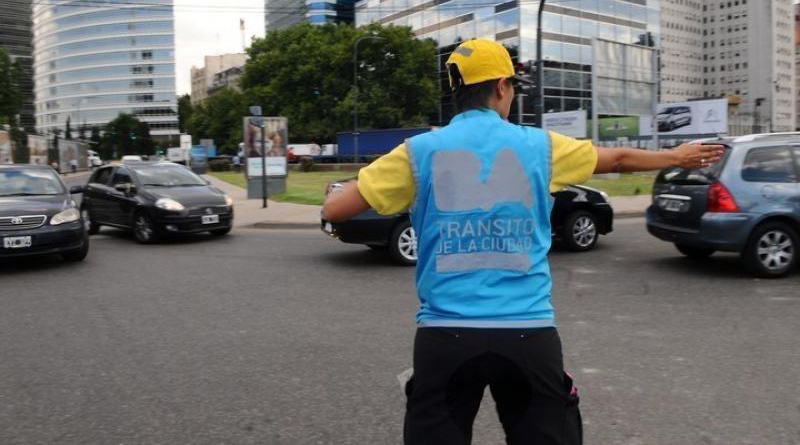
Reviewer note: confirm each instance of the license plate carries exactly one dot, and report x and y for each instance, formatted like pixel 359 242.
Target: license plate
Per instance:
pixel 16 242
pixel 673 205
pixel 210 219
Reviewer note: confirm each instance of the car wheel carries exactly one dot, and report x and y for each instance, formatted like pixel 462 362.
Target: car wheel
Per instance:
pixel 694 252
pixel 771 251
pixel 220 232
pixel 579 232
pixel 144 230
pixel 403 244
pixel 77 255
pixel 91 227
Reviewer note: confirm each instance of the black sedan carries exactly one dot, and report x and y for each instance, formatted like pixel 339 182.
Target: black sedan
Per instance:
pixel 38 215
pixel 580 214
pixel 154 199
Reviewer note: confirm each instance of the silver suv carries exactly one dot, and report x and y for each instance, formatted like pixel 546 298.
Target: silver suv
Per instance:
pixel 749 203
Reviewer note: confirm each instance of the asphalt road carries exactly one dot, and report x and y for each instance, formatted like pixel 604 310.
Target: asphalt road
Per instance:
pixel 289 337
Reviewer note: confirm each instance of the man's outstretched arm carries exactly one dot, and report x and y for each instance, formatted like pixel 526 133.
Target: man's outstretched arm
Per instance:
pixel 344 203
pixel 610 160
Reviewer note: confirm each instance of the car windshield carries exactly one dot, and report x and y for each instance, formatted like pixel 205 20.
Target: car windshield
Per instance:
pixel 24 182
pixel 167 176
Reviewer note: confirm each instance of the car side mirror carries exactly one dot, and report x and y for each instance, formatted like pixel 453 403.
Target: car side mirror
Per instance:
pixel 76 189
pixel 127 188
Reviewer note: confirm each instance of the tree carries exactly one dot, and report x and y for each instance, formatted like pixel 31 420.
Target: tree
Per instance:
pixel 185 110
pixel 68 130
pixel 220 118
pixel 305 73
pixel 10 91
pixel 82 132
pixel 126 135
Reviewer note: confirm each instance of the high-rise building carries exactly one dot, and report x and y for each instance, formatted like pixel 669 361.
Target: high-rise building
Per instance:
pixel 568 29
pixel 797 64
pixel 681 50
pixel 203 78
pixel 16 37
pixel 280 14
pixel 749 51
pixel 95 60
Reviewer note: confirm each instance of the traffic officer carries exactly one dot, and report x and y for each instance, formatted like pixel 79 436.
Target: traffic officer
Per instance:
pixel 478 191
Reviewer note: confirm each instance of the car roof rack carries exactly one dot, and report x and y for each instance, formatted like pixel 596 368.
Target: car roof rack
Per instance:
pixel 767 136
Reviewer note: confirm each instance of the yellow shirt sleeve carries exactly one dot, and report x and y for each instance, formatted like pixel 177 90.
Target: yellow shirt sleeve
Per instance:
pixel 388 183
pixel 574 161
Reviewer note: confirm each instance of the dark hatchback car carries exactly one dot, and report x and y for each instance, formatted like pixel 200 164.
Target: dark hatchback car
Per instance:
pixel 580 215
pixel 38 215
pixel 154 199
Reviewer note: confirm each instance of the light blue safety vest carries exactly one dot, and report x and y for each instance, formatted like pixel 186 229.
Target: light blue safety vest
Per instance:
pixel 482 218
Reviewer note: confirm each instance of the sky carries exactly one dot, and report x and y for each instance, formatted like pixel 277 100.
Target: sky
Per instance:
pixel 211 27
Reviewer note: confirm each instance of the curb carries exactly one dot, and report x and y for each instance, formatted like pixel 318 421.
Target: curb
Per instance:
pixel 628 215
pixel 266 225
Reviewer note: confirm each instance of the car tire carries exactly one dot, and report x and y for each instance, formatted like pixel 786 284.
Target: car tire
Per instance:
pixel 220 232
pixel 403 244
pixel 144 229
pixel 88 222
pixel 579 233
pixel 77 255
pixel 694 252
pixel 771 251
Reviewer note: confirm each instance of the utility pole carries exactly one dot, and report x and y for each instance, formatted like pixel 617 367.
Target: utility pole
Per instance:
pixel 355 92
pixel 540 69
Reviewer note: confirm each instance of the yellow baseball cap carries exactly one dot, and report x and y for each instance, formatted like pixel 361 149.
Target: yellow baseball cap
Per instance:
pixel 479 60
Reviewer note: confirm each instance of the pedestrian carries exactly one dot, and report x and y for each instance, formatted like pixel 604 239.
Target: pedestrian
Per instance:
pixel 73 165
pixel 478 191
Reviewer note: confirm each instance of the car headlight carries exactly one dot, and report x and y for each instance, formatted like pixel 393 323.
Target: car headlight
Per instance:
pixel 69 215
pixel 228 201
pixel 169 204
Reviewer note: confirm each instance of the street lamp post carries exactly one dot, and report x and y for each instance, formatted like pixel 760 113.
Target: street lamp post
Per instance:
pixel 540 68
pixel 355 93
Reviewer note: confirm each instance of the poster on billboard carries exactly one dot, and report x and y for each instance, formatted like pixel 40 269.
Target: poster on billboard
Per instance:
pixel 568 123
pixel 702 117
pixel 6 157
pixel 276 134
pixel 37 147
pixel 72 155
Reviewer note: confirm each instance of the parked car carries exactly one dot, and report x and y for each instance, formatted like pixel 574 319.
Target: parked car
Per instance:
pixel 672 118
pixel 38 215
pixel 748 203
pixel 131 158
pixel 580 215
pixel 94 159
pixel 153 199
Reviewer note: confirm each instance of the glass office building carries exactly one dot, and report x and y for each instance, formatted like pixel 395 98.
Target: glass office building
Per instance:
pixel 568 29
pixel 16 37
pixel 280 14
pixel 93 61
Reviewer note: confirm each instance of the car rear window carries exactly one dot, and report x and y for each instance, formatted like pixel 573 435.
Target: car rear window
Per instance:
pixel 769 164
pixel 699 176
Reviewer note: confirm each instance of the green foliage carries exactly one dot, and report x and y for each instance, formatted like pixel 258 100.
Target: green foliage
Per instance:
pixel 125 135
pixel 305 73
pixel 10 91
pixel 68 130
pixel 185 110
pixel 219 165
pixel 306 163
pixel 220 118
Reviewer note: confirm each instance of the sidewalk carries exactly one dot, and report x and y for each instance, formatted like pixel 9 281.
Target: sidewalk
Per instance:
pixel 249 213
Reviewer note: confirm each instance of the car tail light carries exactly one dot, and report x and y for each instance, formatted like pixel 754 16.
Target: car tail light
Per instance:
pixel 720 199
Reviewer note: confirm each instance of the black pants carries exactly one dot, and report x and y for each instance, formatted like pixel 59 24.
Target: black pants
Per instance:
pixel 523 369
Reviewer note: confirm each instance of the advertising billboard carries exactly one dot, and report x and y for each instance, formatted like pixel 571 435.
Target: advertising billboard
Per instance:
pixel 37 147
pixel 72 154
pixel 276 134
pixel 568 123
pixel 702 117
pixel 5 148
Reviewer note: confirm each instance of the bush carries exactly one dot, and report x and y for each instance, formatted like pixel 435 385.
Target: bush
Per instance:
pixel 219 165
pixel 306 163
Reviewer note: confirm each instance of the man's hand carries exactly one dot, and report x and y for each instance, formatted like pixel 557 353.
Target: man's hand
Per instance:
pixel 343 202
pixel 694 156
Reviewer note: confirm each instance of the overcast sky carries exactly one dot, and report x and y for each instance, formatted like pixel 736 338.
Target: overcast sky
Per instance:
pixel 211 27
